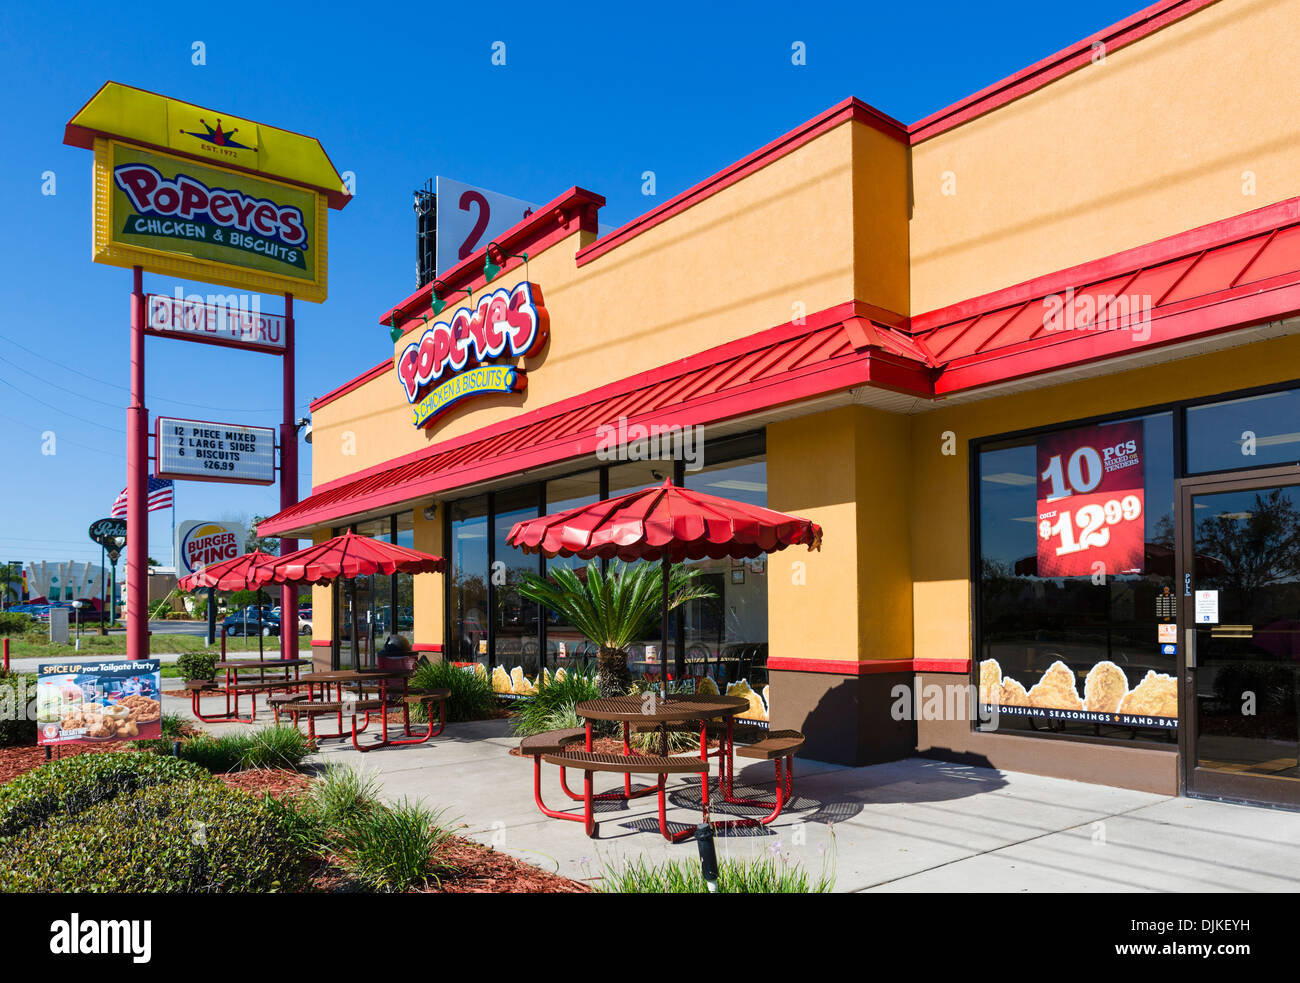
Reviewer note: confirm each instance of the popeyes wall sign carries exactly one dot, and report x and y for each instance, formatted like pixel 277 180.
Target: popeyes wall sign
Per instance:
pixel 1091 509
pixel 454 359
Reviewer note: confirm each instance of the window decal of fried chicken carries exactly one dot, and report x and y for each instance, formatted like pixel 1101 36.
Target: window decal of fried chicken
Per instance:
pixel 1105 688
pixel 990 680
pixel 1009 694
pixel 1056 690
pixel 1155 696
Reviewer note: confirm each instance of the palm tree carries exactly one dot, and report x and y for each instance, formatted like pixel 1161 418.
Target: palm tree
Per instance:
pixel 11 574
pixel 612 609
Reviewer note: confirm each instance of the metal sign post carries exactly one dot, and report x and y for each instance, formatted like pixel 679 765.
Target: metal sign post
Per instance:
pixel 137 485
pixel 288 485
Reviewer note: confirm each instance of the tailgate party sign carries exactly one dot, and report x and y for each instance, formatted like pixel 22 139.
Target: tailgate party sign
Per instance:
pixel 199 451
pixel 201 543
pixel 1090 501
pixel 95 702
pixel 173 215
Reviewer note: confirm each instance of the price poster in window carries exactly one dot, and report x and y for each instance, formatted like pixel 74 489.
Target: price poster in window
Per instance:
pixel 1090 501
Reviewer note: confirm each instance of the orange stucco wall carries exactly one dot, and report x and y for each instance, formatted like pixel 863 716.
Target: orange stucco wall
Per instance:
pixel 1161 138
pixel 759 253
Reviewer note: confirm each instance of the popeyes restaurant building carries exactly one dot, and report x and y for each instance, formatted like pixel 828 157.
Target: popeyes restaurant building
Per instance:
pixel 1032 363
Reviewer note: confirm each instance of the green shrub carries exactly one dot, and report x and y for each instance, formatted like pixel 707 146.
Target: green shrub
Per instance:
pixel 393 848
pixel 758 875
pixel 200 666
pixel 16 623
pixel 17 723
pixel 71 785
pixel 340 797
pixel 173 725
pixel 189 837
pixel 551 706
pixel 471 697
pixel 268 747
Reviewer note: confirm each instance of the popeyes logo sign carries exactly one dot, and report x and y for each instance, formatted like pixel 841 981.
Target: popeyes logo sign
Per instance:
pixel 454 355
pixel 190 200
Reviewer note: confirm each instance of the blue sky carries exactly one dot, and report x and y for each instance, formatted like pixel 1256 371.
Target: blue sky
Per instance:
pixel 398 93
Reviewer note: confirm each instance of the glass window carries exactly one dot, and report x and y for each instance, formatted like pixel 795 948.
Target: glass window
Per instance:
pixel 646 654
pixel 565 646
pixel 1079 634
pixel 467 578
pixel 404 583
pixel 375 616
pixel 516 625
pixel 1252 432
pixel 726 636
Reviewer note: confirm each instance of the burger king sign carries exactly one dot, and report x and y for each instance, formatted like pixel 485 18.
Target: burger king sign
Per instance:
pixel 200 543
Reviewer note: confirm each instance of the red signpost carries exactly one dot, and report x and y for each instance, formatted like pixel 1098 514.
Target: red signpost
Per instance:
pixel 137 485
pixel 288 486
pixel 255 220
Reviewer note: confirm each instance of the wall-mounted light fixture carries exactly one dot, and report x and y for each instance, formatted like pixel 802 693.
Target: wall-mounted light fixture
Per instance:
pixel 491 269
pixel 439 301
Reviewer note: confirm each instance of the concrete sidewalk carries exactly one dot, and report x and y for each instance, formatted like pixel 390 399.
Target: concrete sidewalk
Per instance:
pixel 912 825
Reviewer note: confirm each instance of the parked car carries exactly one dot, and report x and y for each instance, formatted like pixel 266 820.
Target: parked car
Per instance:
pixel 246 623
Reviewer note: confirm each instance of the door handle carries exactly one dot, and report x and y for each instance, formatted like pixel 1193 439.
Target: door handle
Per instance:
pixel 1191 648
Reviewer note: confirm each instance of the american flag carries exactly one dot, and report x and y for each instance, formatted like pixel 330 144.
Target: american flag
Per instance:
pixel 160 497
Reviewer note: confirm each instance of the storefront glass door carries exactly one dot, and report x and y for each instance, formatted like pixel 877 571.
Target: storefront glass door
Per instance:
pixel 1241 635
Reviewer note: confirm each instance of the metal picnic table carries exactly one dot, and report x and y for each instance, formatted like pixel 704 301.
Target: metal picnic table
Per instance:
pixel 234 687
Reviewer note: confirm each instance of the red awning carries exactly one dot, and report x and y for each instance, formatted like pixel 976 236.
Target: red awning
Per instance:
pixel 837 350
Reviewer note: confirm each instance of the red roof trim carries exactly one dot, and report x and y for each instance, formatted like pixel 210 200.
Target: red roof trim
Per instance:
pixel 1053 67
pixel 351 384
pixel 814 360
pixel 682 367
pixel 849 109
pixel 872 667
pixel 1265 219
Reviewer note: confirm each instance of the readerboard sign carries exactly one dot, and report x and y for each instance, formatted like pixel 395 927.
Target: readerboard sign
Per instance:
pixel 204 542
pixel 1090 501
pixel 196 450
pixel 231 324
pixel 469 218
pixel 94 702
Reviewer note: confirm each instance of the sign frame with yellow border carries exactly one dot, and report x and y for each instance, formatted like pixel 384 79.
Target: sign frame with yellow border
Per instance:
pixel 109 250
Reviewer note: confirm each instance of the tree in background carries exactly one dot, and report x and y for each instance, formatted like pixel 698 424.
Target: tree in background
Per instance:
pixel 11 578
pixel 267 544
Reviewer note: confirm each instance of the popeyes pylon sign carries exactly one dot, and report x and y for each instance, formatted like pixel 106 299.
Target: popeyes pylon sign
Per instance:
pixel 469 354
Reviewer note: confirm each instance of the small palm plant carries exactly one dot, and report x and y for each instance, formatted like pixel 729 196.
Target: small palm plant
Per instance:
pixel 613 609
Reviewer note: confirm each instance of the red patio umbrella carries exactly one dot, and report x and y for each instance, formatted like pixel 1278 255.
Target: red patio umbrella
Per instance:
pixel 665 523
pixel 233 574
pixel 347 556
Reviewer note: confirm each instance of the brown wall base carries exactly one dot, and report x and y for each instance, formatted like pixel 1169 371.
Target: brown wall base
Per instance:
pixel 845 717
pixel 1143 769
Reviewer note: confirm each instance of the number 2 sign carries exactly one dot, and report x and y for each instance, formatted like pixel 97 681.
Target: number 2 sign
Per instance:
pixel 469 218
pixel 1090 501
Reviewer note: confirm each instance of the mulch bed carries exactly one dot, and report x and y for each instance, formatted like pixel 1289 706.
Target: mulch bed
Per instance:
pixel 15 761
pixel 479 870
pixel 276 782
